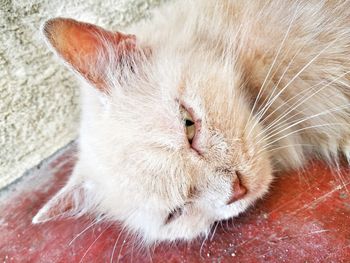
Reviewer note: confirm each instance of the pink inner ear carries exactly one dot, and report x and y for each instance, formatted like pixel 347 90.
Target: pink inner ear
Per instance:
pixel 58 209
pixel 83 45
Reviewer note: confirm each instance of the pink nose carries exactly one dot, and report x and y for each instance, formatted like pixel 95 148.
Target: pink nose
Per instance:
pixel 238 191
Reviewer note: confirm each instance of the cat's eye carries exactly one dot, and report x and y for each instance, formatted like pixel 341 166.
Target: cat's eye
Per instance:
pixel 189 124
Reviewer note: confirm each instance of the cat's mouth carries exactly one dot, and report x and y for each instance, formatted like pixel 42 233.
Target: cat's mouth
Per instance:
pixel 173 215
pixel 238 191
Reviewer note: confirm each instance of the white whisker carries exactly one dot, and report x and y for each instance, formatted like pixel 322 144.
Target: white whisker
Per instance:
pixel 285 146
pixel 93 243
pixel 270 135
pixel 84 230
pixel 214 231
pixel 303 129
pixel 303 100
pixel 272 65
pixel 116 243
pixel 267 106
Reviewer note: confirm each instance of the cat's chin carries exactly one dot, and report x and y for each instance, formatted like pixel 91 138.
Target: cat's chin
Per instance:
pixel 198 217
pixel 191 226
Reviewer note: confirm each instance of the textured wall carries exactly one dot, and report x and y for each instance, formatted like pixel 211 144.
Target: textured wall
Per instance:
pixel 38 96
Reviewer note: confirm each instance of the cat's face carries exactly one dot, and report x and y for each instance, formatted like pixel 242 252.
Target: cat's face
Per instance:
pixel 170 148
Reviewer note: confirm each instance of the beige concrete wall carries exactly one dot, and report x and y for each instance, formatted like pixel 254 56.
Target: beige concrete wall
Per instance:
pixel 38 96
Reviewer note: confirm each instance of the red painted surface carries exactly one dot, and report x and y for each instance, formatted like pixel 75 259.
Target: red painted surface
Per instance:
pixel 305 218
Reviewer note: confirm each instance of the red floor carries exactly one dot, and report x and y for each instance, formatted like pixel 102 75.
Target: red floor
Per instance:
pixel 306 218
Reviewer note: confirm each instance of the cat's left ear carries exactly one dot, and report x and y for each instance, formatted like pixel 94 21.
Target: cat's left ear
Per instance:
pixel 70 201
pixel 88 49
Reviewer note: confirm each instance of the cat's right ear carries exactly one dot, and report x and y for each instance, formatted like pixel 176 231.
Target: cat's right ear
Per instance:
pixel 89 50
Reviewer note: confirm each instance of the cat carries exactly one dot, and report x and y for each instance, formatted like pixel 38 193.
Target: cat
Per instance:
pixel 187 116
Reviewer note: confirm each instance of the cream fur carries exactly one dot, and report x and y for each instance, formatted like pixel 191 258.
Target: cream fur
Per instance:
pixel 269 81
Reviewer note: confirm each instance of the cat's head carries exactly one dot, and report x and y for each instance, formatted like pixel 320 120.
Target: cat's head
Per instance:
pixel 168 144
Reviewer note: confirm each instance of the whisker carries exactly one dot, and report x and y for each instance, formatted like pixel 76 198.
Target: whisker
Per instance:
pixel 84 230
pixel 288 110
pixel 341 177
pixel 293 106
pixel 91 245
pixel 120 250
pixel 272 65
pixel 287 146
pixel 303 129
pixel 280 79
pixel 116 243
pixel 212 236
pixel 271 134
pixel 202 245
pixel 267 106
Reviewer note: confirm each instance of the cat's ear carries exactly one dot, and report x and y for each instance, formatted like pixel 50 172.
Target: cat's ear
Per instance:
pixel 87 48
pixel 69 201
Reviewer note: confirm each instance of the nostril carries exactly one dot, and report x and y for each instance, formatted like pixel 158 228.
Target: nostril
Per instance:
pixel 238 191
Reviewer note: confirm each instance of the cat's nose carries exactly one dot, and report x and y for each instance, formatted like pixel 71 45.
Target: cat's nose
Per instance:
pixel 238 191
